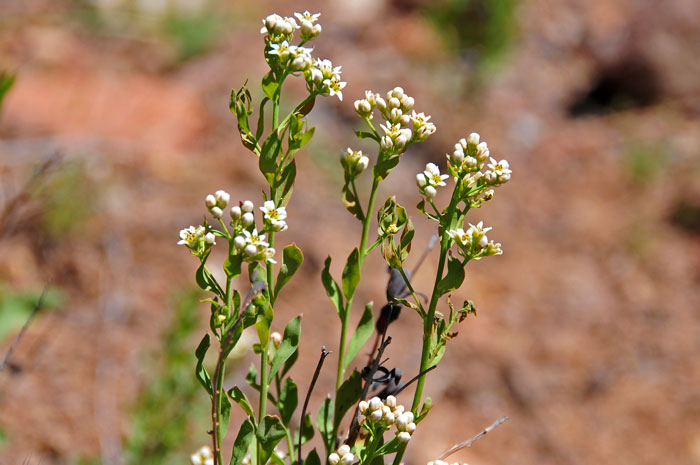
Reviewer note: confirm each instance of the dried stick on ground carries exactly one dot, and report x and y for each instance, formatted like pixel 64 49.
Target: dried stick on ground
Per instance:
pixel 468 443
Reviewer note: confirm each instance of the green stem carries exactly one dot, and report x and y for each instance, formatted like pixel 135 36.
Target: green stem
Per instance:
pixel 346 314
pixel 428 322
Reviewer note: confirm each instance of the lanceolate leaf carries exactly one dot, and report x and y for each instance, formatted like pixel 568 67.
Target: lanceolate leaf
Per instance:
pixel 292 259
pixel 454 277
pixel 269 155
pixel 240 398
pixel 351 273
pixel 324 422
pixel 270 85
pixel 332 288
pixel 200 371
pixel 270 432
pixel 312 458
pixel 289 399
pixel 240 446
pixel 348 395
pixel 290 342
pixel 362 333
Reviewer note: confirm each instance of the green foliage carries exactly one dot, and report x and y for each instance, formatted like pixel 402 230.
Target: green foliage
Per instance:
pixel 6 82
pixel 17 306
pixel 170 408
pixel 486 27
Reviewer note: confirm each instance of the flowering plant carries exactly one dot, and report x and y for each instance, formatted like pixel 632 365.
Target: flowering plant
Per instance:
pixel 250 234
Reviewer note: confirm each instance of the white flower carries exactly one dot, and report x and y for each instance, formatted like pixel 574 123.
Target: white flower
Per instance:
pixel 210 239
pixel 363 406
pixel 460 236
pixel 376 415
pixel 335 87
pixel 421 180
pixel 430 192
pixel 333 458
pixel 254 238
pixel 310 30
pixel 478 233
pixel 411 428
pixel 190 236
pixel 210 201
pixel 273 214
pixel 236 212
pixel 363 108
pixel 282 50
pixel 279 226
pixel 344 449
pixel 269 254
pixel 473 139
pixel 375 403
pixel 403 436
pixel 276 339
pixel 347 459
pixel 307 16
pixel 433 176
pixel 482 151
pixel 202 456
pixel 390 401
pixel 500 169
pixel 250 250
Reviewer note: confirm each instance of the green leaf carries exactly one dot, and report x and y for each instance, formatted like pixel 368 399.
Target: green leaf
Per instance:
pixel 307 431
pixel 270 86
pixel 324 423
pixel 384 166
pixel 289 363
pixel 308 106
pixel 269 154
pixel 351 273
pixel 290 342
pixel 362 333
pixel 332 289
pixel 232 265
pixel 454 277
pixel 263 322
pixel 200 371
pixel 270 432
pixel 351 202
pixel 261 119
pixel 252 378
pixel 225 414
pixel 6 82
pixel 289 399
pixel 206 281
pixel 240 398
pixel 389 448
pixel 286 182
pixel 367 135
pixel 312 458
pixel 348 395
pixel 424 409
pixel 292 259
pixel 242 443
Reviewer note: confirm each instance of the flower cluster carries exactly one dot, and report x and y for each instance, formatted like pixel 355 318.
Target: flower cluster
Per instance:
pixel 354 162
pixel 321 76
pixel 386 414
pixel 473 242
pixel 245 238
pixel 203 456
pixel 341 456
pixel 429 180
pixel 401 128
pixel 468 159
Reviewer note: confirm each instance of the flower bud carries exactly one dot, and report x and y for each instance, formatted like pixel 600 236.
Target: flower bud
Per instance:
pixel 389 418
pixel 381 104
pixel 473 139
pixel 375 403
pixel 399 410
pixel 394 103
pixel 457 156
pixel 390 401
pixel 333 459
pixel 247 219
pixel 216 212
pixel 421 180
pixel 362 164
pixel 344 449
pixel 210 239
pixel 363 108
pixel 403 437
pixel 363 406
pixel 407 103
pixel 386 143
pixel 347 459
pixel 405 120
pixel 409 416
pixel 396 92
pixel 247 206
pixel 222 198
pixel 250 250
pixel 239 242
pixel 410 428
pixel 236 212
pixel 482 151
pixel 210 201
pixel 276 338
pixel 279 226
pixel 376 415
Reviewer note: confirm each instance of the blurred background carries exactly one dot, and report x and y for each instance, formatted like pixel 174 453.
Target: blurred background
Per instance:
pixel 116 126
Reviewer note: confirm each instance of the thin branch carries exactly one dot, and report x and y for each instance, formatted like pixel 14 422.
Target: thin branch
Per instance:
pixel 465 444
pixel 36 309
pixel 415 378
pixel 324 353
